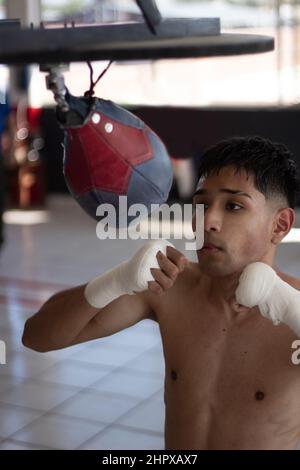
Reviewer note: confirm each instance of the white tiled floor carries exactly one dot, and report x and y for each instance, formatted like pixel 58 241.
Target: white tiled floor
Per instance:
pixel 13 418
pixel 58 432
pixel 75 397
pixel 106 394
pixel 135 385
pixel 115 438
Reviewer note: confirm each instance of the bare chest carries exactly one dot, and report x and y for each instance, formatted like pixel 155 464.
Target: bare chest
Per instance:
pixel 226 364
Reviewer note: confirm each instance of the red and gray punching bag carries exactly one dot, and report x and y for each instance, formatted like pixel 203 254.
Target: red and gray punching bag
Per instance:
pixel 109 152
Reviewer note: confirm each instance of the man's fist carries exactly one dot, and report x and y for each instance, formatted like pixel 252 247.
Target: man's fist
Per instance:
pixel 170 266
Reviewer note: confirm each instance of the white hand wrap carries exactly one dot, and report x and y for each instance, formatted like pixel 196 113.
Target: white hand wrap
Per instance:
pixel 126 278
pixel 277 300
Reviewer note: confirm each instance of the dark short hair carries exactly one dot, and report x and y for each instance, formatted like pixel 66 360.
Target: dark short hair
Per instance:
pixel 272 165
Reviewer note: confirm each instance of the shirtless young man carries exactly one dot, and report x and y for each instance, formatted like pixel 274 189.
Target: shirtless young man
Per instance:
pixel 230 382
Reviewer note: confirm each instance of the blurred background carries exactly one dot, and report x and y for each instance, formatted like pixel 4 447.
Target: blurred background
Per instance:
pixel 190 103
pixel 267 79
pixel 108 394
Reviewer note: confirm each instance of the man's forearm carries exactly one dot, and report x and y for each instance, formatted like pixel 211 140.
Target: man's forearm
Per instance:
pixel 107 304
pixel 59 321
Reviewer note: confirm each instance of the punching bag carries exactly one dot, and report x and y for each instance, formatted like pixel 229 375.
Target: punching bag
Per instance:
pixel 110 152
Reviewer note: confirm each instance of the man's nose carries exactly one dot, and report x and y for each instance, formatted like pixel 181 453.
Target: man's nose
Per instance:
pixel 212 220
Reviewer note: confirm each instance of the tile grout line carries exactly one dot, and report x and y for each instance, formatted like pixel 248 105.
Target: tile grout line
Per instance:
pixel 79 392
pixel 120 417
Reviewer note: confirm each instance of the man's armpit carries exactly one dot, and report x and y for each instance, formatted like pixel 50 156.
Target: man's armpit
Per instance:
pixel 151 299
pixel 152 316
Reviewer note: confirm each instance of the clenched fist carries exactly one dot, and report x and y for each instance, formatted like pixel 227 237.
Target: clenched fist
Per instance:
pixel 170 266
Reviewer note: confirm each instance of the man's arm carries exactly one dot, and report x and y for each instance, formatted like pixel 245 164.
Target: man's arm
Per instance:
pixel 67 319
pixel 277 296
pixel 101 308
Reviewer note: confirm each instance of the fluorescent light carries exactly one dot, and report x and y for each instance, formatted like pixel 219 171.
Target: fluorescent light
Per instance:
pixel 19 217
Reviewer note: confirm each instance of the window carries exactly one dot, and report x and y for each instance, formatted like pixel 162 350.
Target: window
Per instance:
pixel 249 80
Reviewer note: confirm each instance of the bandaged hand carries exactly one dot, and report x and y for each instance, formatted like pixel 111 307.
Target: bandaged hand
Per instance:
pixel 259 285
pixel 141 272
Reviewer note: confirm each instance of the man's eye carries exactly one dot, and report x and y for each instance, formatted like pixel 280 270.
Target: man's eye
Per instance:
pixel 231 205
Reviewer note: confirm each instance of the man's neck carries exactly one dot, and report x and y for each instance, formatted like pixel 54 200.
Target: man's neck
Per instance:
pixel 221 290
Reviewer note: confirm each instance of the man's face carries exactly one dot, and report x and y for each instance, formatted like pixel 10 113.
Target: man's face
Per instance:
pixel 237 218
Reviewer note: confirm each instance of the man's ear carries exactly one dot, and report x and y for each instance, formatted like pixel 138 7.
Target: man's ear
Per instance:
pixel 283 222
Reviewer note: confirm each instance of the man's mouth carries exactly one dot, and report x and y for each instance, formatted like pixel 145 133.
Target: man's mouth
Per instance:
pixel 210 247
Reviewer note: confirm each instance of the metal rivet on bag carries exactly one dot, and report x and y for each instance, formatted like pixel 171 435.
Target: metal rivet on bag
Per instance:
pixel 96 118
pixel 109 127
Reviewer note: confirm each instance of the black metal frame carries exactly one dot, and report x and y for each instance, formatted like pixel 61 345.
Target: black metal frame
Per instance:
pixel 151 13
pixel 157 38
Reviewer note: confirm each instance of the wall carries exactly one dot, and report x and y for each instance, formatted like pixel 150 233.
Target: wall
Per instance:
pixel 187 131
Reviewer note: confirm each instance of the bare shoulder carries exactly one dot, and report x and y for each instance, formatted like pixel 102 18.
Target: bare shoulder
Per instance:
pixel 184 281
pixel 291 280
